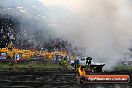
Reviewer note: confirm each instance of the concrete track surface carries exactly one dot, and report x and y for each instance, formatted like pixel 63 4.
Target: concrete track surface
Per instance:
pixel 51 79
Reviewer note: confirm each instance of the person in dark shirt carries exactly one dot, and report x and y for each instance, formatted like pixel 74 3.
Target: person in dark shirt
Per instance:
pixel 76 63
pixel 88 60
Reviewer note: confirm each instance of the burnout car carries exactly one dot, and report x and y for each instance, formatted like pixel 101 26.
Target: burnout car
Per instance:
pixel 86 63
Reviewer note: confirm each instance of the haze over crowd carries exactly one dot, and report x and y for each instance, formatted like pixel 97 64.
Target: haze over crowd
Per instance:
pixel 101 27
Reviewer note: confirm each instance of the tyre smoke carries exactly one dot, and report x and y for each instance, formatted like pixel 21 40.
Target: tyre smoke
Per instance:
pixel 101 27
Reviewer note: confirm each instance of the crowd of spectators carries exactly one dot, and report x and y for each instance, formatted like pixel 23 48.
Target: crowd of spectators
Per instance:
pixel 10 34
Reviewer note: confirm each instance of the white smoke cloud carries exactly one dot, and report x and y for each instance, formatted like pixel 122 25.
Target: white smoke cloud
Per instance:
pixel 102 27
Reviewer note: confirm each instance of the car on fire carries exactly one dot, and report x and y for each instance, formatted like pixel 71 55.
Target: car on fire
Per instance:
pixel 86 63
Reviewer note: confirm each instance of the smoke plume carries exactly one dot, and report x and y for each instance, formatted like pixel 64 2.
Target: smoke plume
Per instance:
pixel 102 27
pixel 99 28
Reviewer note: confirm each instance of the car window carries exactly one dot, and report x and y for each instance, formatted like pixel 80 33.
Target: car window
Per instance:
pixel 82 59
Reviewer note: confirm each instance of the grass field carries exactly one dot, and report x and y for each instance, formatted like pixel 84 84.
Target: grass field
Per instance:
pixel 32 66
pixel 123 67
pixel 46 66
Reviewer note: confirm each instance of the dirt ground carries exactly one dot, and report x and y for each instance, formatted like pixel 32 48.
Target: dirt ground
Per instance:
pixel 50 79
